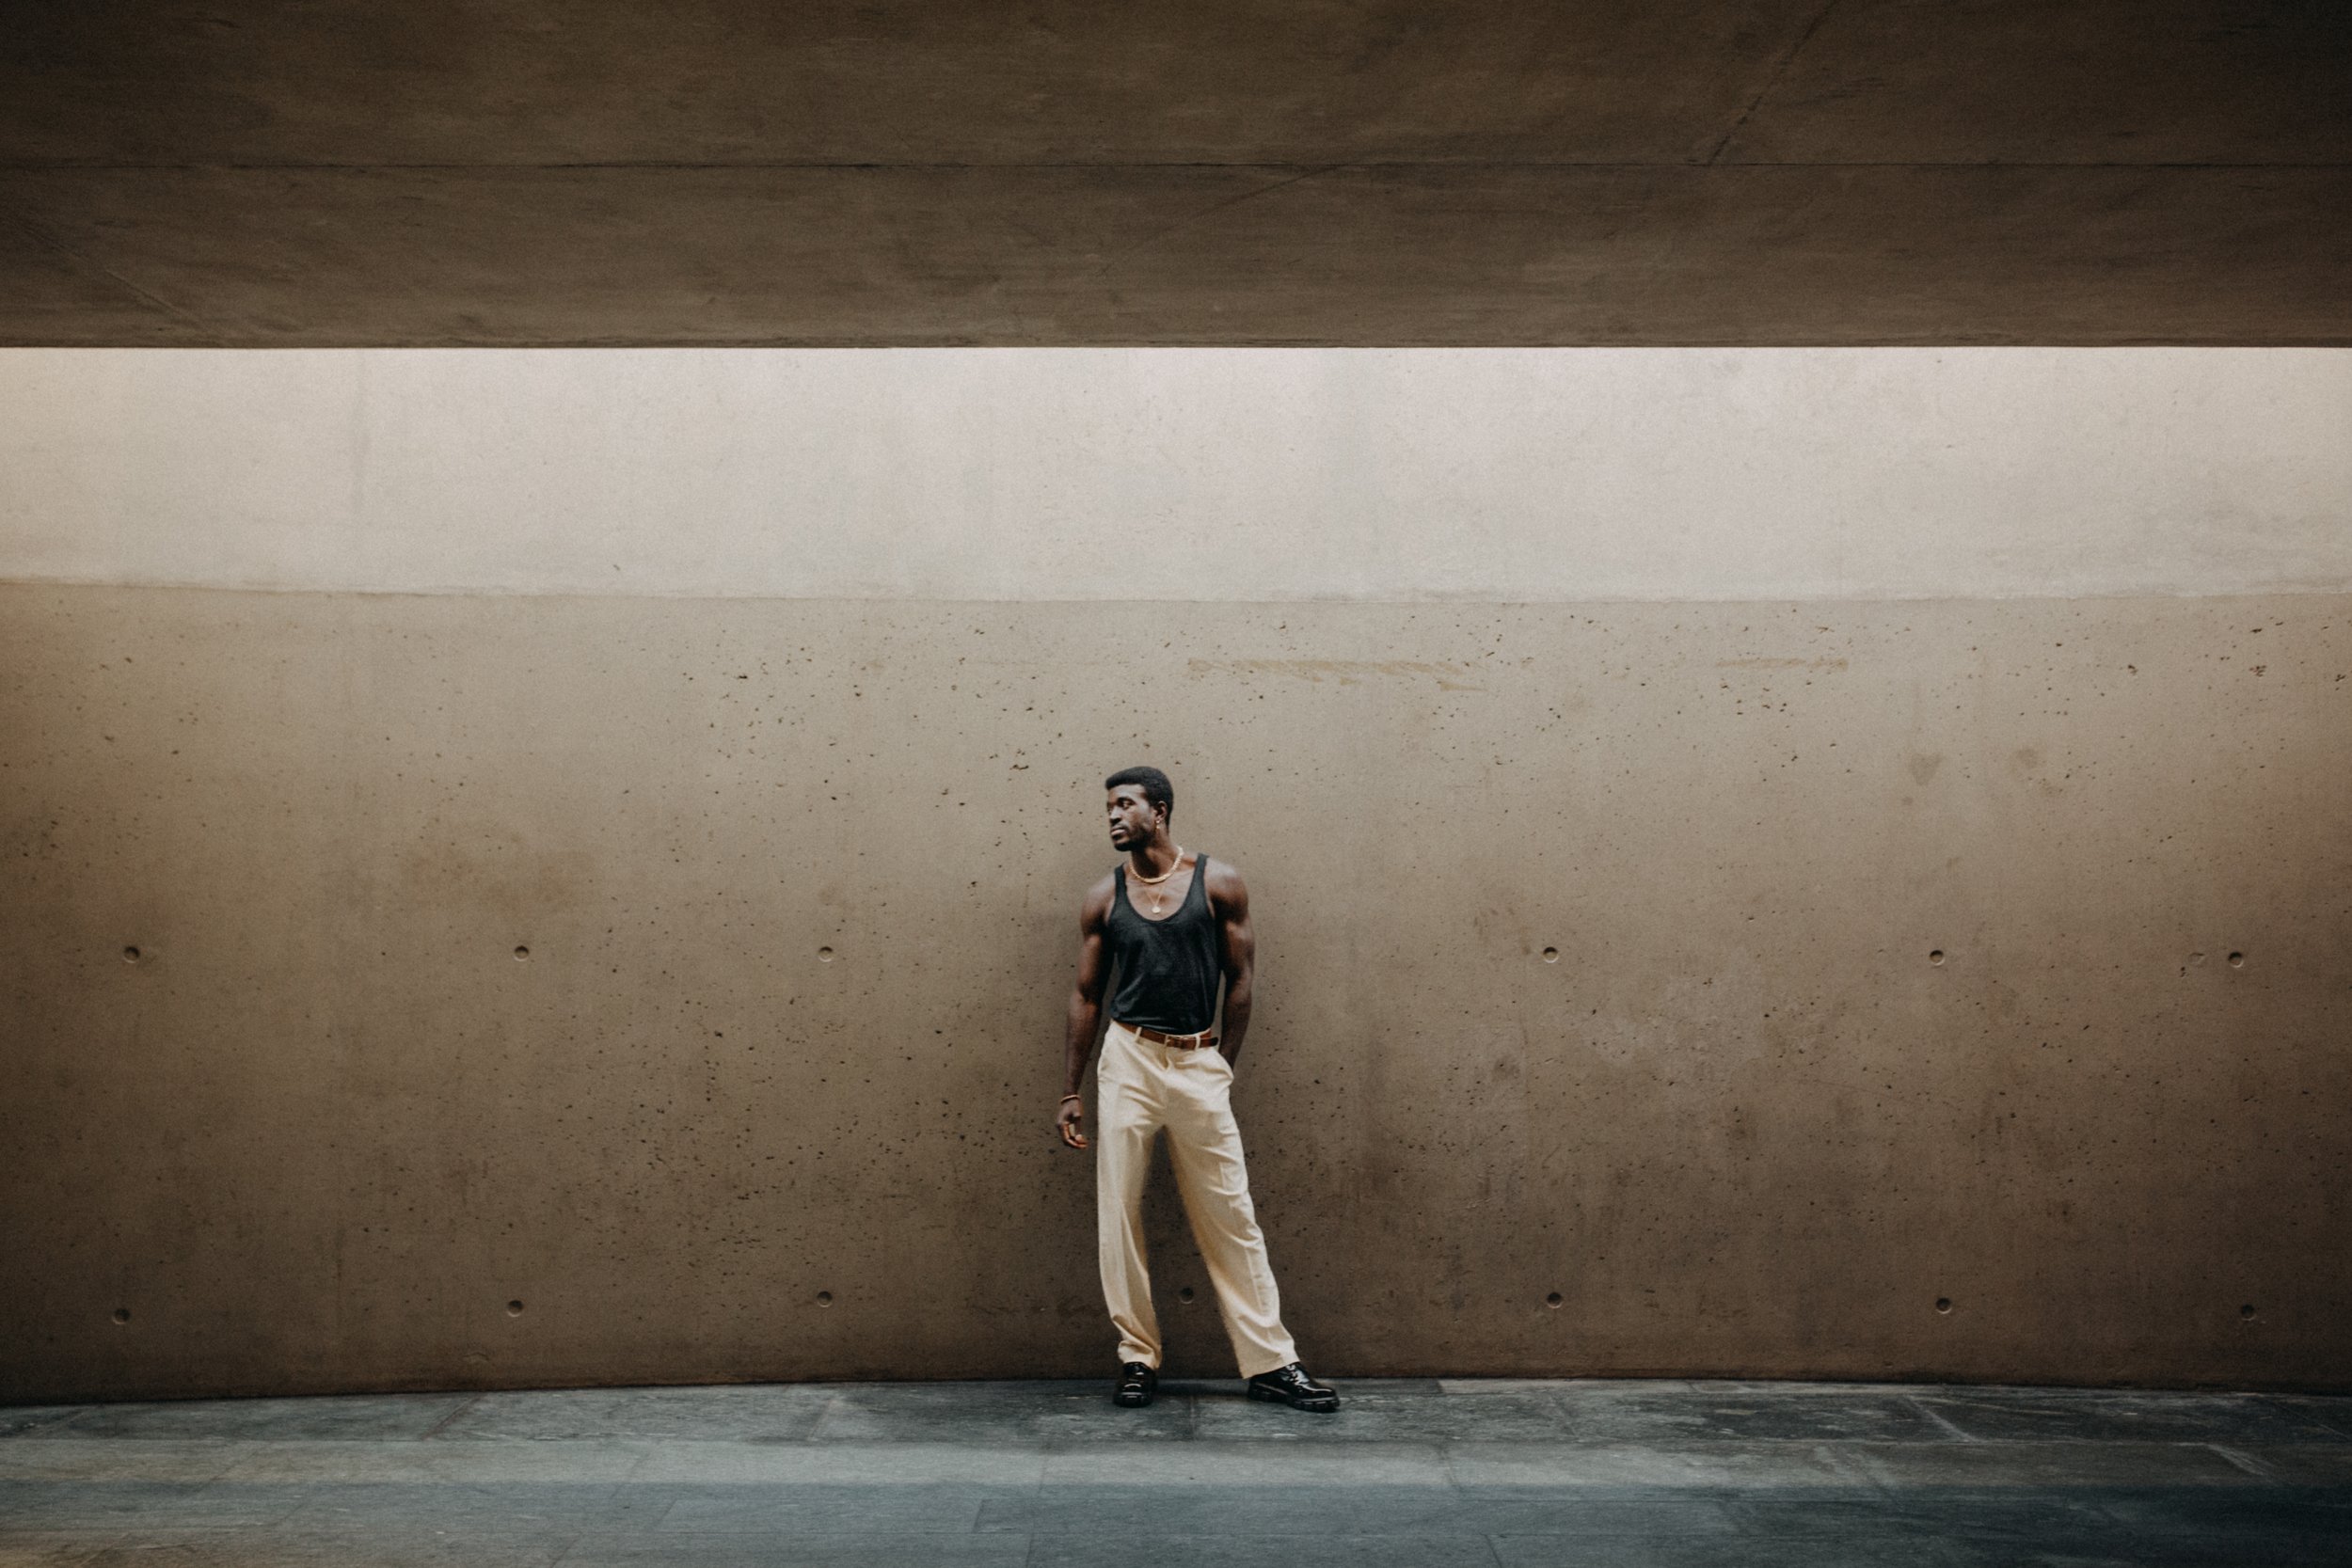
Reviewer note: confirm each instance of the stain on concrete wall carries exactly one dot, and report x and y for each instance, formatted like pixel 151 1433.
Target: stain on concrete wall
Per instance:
pixel 430 992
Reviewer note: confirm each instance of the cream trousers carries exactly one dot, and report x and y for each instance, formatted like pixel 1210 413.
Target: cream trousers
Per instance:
pixel 1140 1089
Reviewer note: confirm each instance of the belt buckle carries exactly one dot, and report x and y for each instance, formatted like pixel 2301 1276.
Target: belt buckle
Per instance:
pixel 1176 1042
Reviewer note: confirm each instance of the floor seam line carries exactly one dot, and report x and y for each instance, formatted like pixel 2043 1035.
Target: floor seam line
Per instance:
pixel 1937 1416
pixel 436 1429
pixel 2248 1463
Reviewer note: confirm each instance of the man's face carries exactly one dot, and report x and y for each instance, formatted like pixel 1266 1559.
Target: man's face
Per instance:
pixel 1133 818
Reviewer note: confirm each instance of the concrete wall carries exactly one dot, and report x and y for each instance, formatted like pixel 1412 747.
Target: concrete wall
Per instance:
pixel 1710 922
pixel 1232 474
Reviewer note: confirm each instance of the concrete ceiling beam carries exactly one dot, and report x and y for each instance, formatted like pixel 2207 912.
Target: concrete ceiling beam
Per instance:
pixel 1375 256
pixel 1383 171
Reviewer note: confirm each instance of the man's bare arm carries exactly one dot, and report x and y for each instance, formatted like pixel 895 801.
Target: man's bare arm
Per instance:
pixel 1229 898
pixel 1086 1010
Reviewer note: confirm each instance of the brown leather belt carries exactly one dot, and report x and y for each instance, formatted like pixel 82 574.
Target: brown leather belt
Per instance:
pixel 1181 1043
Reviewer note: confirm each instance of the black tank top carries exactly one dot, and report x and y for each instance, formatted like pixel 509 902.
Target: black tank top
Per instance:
pixel 1168 970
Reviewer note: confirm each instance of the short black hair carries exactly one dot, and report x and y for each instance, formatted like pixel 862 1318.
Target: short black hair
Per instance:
pixel 1156 788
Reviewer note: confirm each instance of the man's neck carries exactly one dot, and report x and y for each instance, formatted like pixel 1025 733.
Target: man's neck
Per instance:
pixel 1156 859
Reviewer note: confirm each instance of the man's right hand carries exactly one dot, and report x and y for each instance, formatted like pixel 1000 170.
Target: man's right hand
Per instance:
pixel 1072 1112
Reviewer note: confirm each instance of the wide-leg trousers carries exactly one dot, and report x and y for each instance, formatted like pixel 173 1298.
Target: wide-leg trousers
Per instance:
pixel 1140 1089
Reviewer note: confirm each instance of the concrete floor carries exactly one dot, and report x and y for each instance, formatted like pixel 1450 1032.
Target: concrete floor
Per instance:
pixel 1421 1473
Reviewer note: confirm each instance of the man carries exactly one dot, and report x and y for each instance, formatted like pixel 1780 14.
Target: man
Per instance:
pixel 1174 924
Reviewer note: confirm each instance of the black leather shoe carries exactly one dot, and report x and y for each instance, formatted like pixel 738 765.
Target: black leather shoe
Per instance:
pixel 1291 1385
pixel 1136 1384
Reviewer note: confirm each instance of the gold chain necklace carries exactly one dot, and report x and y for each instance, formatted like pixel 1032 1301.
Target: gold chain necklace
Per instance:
pixel 1159 898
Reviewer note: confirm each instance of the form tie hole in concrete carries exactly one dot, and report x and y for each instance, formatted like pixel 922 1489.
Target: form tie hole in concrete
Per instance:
pixel 123 1314
pixel 824 954
pixel 2238 960
pixel 521 954
pixel 130 955
pixel 1185 1296
pixel 1552 955
pixel 2246 1312
pixel 514 1308
pixel 1942 1303
pixel 1552 1300
pixel 1936 956
pixel 824 1298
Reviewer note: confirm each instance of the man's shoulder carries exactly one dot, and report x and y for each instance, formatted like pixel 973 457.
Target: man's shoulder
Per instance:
pixel 1223 878
pixel 1098 899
